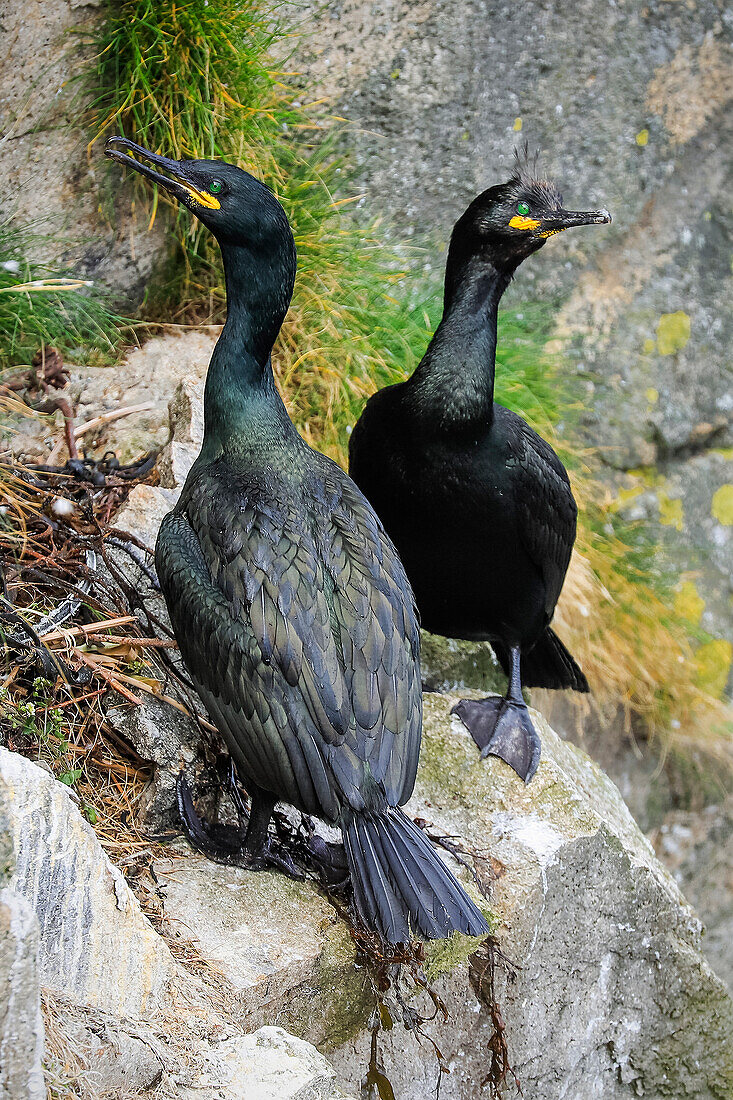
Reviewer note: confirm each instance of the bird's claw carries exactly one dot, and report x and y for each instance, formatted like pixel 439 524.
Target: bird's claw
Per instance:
pixel 271 856
pixel 227 844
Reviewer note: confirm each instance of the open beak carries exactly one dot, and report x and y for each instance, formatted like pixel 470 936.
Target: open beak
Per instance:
pixel 566 219
pixel 174 181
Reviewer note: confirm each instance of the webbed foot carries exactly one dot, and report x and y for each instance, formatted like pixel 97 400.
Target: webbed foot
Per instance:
pixel 502 727
pixel 221 843
pixel 270 856
pixel 254 849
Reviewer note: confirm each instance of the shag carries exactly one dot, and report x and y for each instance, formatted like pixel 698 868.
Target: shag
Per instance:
pixel 477 504
pixel 289 603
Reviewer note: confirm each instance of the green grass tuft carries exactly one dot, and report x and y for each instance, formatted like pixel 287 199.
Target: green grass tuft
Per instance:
pixel 40 306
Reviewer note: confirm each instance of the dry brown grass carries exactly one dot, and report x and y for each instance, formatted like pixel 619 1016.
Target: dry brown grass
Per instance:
pixel 56 688
pixel 637 653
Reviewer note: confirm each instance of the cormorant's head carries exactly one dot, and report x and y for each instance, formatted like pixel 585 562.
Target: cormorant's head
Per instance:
pixel 509 222
pixel 236 207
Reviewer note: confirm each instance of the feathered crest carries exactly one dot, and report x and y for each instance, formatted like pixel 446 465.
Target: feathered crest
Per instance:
pixel 526 175
pixel 526 166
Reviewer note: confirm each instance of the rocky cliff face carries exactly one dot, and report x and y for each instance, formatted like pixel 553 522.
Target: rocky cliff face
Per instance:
pixel 630 107
pixel 607 992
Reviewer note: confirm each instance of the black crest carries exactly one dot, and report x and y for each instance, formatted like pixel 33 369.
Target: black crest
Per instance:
pixel 527 178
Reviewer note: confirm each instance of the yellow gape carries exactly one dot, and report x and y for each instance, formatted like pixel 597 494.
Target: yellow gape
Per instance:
pixel 519 222
pixel 201 197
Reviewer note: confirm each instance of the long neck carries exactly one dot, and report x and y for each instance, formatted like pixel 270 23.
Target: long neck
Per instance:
pixel 241 404
pixel 453 387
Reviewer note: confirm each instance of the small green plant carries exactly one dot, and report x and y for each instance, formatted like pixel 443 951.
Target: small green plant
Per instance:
pixel 69 778
pixel 19 715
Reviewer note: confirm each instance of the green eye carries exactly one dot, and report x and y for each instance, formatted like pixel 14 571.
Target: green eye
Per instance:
pixel 522 209
pixel 215 187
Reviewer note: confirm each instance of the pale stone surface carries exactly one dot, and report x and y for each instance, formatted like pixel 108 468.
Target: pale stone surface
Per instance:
pixel 146 506
pixel 186 419
pixel 611 977
pixel 269 1064
pixel 144 382
pixel 698 849
pixel 143 513
pixel 148 375
pixel 96 946
pixel 21 1025
pixel 54 183
pixel 189 1042
pixel 278 944
pixel 182 1055
pixel 614 998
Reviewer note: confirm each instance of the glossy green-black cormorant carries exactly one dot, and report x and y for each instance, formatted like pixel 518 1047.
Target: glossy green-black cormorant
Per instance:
pixel 478 505
pixel 289 603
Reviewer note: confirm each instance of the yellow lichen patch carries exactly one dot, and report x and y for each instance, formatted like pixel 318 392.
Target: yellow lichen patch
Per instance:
pixel 649 346
pixel 517 125
pixel 673 332
pixel 688 603
pixel 652 395
pixel 625 496
pixel 691 88
pixel 671 513
pixel 722 507
pixel 647 474
pixel 642 138
pixel 713 660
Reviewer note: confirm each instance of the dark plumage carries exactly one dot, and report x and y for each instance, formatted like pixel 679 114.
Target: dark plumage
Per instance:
pixel 289 603
pixel 477 504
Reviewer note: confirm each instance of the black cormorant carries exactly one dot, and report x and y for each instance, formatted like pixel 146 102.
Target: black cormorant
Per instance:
pixel 477 504
pixel 289 603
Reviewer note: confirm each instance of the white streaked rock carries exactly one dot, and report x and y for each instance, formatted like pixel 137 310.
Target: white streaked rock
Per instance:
pixel 96 946
pixel 21 1024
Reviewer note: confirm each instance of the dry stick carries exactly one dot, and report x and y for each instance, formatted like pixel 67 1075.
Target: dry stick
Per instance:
pixel 107 418
pixel 117 639
pixel 95 422
pixel 71 702
pixel 90 628
pixel 69 433
pixel 111 680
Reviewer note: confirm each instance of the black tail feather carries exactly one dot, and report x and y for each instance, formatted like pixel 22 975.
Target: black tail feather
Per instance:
pixel 548 664
pixel 400 883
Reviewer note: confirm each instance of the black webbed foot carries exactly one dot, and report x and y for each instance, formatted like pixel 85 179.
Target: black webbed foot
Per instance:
pixel 254 849
pixel 502 727
pixel 479 717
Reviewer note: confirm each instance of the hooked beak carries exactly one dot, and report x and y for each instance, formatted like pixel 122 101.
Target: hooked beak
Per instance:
pixel 566 219
pixel 175 182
